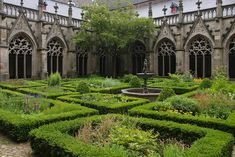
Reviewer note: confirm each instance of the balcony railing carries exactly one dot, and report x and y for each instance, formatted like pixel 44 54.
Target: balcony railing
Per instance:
pixel 11 10
pixel 190 17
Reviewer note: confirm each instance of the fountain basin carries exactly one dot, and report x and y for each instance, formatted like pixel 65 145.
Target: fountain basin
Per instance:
pixel 152 93
pixel 145 75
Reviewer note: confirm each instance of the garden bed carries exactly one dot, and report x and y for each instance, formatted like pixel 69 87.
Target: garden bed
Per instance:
pixel 23 113
pixel 179 83
pixel 105 103
pixel 147 111
pixel 58 139
pixel 48 92
pixel 98 84
pixel 15 84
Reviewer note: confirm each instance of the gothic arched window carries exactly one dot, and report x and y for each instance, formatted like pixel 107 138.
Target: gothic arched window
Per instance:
pixel 166 58
pixel 138 56
pixel 200 51
pixel 55 56
pixel 20 57
pixel 232 58
pixel 81 61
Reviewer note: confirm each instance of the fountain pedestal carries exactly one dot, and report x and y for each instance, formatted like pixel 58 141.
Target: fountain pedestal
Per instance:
pixel 145 92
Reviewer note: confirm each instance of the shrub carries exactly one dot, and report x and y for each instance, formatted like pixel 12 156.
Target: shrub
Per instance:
pixel 54 80
pixel 82 87
pixel 56 140
pixel 187 77
pixel 183 104
pixel 217 105
pixel 110 82
pixel 135 82
pixel 144 142
pixel 166 93
pixel 127 78
pixel 206 83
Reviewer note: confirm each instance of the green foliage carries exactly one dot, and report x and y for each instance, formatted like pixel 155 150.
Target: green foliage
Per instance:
pixel 127 78
pixel 17 126
pixel 105 103
pixel 54 80
pixel 112 30
pixel 173 150
pixel 143 142
pixel 53 139
pixel 82 87
pixel 165 93
pixel 22 104
pixel 48 92
pixel 176 82
pixel 103 82
pixel 206 83
pixel 218 105
pixel 148 110
pixel 183 104
pixel 179 78
pixel 135 82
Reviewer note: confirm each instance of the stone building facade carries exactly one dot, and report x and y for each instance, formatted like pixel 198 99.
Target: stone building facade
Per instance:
pixel 35 43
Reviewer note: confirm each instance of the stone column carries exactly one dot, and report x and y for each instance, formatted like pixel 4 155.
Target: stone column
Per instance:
pixel 71 45
pixel 218 48
pixel 43 52
pixel 180 52
pixel 41 56
pixel 92 64
pixel 4 59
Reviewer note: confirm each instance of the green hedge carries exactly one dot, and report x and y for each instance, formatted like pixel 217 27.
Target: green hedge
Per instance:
pixel 37 92
pixel 110 90
pixel 18 126
pixel 178 90
pixel 148 112
pixel 12 86
pixel 56 140
pixel 106 107
pixel 10 92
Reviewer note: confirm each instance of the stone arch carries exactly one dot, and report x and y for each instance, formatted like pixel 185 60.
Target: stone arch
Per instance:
pixel 138 52
pixel 81 61
pixel 166 57
pixel 55 54
pixel 20 51
pixel 199 54
pixel 230 55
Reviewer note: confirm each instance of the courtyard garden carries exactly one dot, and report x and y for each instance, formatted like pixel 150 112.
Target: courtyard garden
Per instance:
pixel 89 116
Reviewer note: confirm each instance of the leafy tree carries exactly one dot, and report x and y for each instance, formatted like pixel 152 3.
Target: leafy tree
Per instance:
pixel 112 31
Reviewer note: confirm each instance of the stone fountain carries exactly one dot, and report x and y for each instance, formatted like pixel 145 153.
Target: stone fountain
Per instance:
pixel 145 92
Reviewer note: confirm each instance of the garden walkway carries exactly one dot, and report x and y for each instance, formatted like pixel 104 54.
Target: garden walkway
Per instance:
pixel 12 149
pixel 9 148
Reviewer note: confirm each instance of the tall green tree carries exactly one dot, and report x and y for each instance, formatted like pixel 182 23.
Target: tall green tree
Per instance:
pixel 112 31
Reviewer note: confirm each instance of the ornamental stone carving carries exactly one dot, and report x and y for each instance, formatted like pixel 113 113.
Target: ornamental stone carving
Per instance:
pixel 198 27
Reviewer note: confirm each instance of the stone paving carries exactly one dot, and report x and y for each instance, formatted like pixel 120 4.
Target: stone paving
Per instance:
pixel 9 148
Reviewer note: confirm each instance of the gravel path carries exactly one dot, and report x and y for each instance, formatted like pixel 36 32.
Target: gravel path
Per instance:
pixel 9 148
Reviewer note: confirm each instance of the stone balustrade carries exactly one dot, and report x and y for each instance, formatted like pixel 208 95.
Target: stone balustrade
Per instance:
pixel 190 17
pixel 12 11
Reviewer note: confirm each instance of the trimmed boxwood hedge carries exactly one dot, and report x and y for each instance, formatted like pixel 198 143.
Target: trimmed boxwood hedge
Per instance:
pixel 105 107
pixel 9 92
pixel 110 90
pixel 38 92
pixel 178 90
pixel 147 111
pixel 17 126
pixel 12 86
pixel 56 140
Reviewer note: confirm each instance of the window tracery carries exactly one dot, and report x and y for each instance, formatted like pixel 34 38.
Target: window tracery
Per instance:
pixel 166 58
